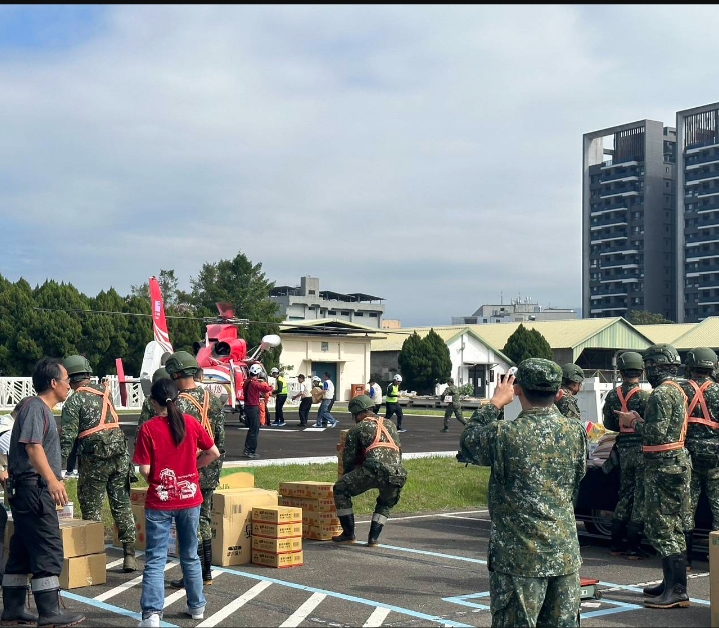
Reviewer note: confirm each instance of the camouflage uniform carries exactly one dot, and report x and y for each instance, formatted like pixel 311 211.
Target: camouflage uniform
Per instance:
pixel 455 407
pixel 630 507
pixel 209 475
pixel 146 413
pixel 702 443
pixel 104 461
pixel 380 468
pixel 537 462
pixel 568 405
pixel 666 473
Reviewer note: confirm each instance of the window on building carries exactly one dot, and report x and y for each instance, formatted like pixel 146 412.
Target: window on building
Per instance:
pixel 311 292
pixel 359 313
pixel 374 314
pixel 332 313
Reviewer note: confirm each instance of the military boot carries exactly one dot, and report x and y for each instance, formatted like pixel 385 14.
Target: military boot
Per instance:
pixel 180 582
pixel 634 538
pixel 689 540
pixel 375 528
pixel 129 564
pixel 348 529
pixel 207 561
pixel 50 613
pixel 675 584
pixel 16 612
pixel 617 546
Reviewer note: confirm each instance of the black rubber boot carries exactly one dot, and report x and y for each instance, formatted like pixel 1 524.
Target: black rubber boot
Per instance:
pixel 207 562
pixel 675 580
pixel 375 529
pixel 654 590
pixel 689 540
pixel 617 546
pixel 129 564
pixel 634 538
pixel 348 530
pixel 180 582
pixel 15 609
pixel 50 613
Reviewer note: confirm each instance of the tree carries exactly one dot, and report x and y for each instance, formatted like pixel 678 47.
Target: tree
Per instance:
pixel 642 317
pixel 525 343
pixel 424 362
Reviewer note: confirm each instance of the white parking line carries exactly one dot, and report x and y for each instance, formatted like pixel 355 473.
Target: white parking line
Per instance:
pixel 178 595
pixel 215 619
pixel 301 613
pixel 448 514
pixel 377 617
pixel 126 585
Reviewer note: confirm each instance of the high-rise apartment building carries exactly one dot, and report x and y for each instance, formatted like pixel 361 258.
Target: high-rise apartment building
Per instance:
pixel 629 243
pixel 698 203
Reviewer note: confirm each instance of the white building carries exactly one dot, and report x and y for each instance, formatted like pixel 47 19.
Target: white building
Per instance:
pixel 516 311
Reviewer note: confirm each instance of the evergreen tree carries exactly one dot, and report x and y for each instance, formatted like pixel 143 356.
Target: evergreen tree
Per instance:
pixel 642 317
pixel 424 362
pixel 440 359
pixel 525 343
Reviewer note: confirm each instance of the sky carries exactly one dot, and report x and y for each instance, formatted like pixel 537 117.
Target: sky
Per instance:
pixel 430 155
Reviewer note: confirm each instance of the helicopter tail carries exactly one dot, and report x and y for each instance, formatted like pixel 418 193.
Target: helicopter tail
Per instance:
pixel 159 323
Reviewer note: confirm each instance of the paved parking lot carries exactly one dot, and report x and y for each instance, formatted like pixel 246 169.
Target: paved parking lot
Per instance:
pixel 430 570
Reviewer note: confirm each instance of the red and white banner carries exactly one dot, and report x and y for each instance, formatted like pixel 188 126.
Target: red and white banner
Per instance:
pixel 159 323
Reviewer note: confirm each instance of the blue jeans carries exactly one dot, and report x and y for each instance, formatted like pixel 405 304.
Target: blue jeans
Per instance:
pixel 323 414
pixel 158 524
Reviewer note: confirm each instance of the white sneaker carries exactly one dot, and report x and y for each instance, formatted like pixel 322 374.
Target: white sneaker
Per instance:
pixel 153 621
pixel 195 613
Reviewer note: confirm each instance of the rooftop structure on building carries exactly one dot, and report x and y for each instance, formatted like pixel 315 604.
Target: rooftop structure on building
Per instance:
pixel 307 302
pixel 629 224
pixel 516 311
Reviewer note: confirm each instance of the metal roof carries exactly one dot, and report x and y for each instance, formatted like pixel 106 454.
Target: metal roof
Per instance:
pixel 327 326
pixel 667 333
pixel 704 334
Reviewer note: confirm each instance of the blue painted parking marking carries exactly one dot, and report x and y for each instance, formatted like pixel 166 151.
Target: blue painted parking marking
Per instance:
pixel 437 554
pixel 629 587
pixel 111 608
pixel 463 600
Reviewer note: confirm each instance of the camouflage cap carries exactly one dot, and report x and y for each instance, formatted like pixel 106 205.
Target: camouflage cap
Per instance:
pixel 539 374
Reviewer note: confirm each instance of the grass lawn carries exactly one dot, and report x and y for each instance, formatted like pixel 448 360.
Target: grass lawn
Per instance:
pixel 433 484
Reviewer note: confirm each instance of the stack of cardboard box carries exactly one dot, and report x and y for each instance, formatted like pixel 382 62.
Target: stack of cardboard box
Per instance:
pixel 277 536
pixel 319 516
pixel 137 503
pixel 85 560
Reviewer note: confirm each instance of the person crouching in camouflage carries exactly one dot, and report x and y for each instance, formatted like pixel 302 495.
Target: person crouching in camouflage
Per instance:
pixel 455 405
pixel 537 462
pixel 207 409
pixel 629 513
pixel 566 401
pixel 89 419
pixel 372 459
pixel 667 469
pixel 702 437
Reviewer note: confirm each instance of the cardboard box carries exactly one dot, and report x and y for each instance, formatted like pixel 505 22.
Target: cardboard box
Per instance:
pixel 320 533
pixel 277 546
pixel 83 571
pixel 80 538
pixel 240 479
pixel 138 495
pixel 311 490
pixel 276 530
pixel 231 523
pixel 292 502
pixel 714 577
pixel 269 559
pixel 316 518
pixel 326 504
pixel 277 514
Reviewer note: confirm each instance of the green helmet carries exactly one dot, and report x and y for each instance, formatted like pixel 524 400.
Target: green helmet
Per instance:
pixel 160 373
pixel 662 354
pixel 76 365
pixel 630 360
pixel 702 358
pixel 539 374
pixel 360 403
pixel 573 373
pixel 181 362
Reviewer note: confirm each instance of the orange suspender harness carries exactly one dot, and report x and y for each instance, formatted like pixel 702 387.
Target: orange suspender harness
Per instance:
pixel 699 399
pixel 680 443
pixel 381 429
pixel 624 401
pixel 202 409
pixel 104 424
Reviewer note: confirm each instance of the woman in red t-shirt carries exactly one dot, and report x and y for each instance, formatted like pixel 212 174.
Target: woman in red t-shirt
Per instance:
pixel 167 453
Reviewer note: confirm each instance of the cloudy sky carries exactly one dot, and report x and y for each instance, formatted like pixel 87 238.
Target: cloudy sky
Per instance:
pixel 430 155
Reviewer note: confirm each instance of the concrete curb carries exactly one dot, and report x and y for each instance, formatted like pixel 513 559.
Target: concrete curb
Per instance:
pixel 324 459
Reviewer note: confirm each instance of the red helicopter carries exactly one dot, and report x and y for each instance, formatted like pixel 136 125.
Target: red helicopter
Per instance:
pixel 222 354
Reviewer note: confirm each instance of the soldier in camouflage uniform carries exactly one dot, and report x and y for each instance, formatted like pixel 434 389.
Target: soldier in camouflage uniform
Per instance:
pixel 629 513
pixel 667 469
pixel 207 409
pixel 537 462
pixel 454 407
pixel 702 441
pixel 372 459
pixel 148 411
pixel 89 418
pixel 572 378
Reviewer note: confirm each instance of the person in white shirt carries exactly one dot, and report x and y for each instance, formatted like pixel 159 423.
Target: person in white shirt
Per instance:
pixel 375 393
pixel 324 418
pixel 305 400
